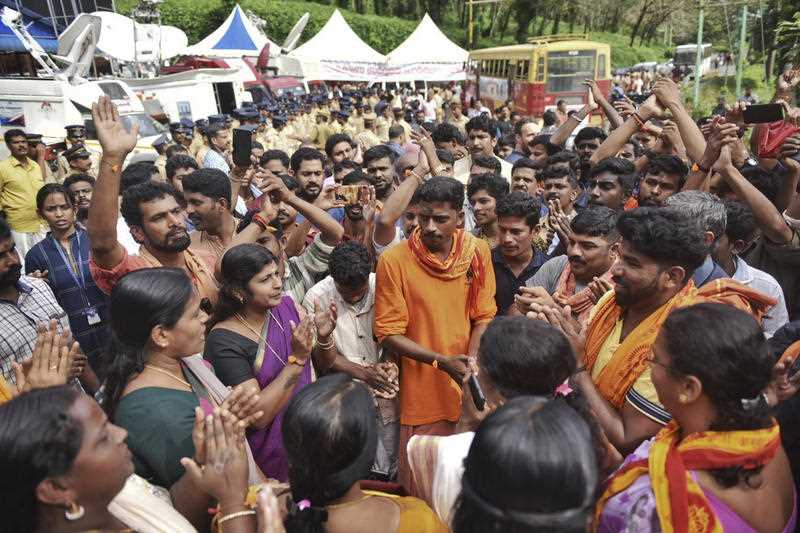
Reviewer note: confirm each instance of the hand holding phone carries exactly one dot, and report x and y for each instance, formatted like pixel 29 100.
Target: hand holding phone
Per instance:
pixel 762 113
pixel 478 398
pixel 242 147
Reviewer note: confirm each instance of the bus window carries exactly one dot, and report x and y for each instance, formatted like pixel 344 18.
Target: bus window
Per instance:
pixel 540 69
pixel 601 66
pixel 505 71
pixel 522 70
pixel 567 70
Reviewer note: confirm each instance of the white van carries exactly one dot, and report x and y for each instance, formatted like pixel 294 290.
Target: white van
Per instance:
pixel 46 106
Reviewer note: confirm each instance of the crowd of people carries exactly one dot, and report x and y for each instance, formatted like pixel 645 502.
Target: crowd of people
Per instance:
pixel 401 316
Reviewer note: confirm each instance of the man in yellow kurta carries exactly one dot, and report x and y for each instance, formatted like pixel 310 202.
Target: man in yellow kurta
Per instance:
pixel 660 250
pixel 20 180
pixel 434 298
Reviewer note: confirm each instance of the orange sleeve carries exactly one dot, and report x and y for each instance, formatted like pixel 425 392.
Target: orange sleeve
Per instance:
pixel 487 306
pixel 391 311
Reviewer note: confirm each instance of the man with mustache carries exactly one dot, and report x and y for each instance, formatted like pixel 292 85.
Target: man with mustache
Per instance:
pixel 80 188
pixel 207 193
pixel 434 298
pixel 665 176
pixel 577 277
pixel 25 301
pixel 308 168
pixel 379 165
pixel 20 180
pixel 481 140
pixel 152 211
pixel 659 251
pixel 610 183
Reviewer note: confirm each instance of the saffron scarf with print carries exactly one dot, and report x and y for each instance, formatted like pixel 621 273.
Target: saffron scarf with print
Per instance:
pixel 463 260
pixel 681 504
pixel 631 357
pixel 580 302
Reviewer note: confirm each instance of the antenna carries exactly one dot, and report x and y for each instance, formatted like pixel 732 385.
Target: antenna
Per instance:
pixel 13 19
pixel 294 36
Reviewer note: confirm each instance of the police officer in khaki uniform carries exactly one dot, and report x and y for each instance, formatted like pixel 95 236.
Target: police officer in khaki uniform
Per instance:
pixel 368 138
pixel 160 145
pixel 76 135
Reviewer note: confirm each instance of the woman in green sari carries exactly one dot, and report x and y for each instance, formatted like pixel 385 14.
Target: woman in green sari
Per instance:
pixel 157 388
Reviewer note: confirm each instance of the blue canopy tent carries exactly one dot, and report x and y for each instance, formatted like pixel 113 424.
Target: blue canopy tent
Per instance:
pixel 44 34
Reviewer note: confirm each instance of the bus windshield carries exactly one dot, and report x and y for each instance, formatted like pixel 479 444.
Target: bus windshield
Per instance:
pixel 567 70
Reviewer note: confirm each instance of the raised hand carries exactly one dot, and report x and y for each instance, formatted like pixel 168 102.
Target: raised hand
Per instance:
pixel 51 362
pixel 325 319
pixel 559 221
pixel 667 92
pixel 302 338
pixel 598 287
pixel 651 108
pixel 625 108
pixel 562 319
pixel 225 471
pixel 115 140
pixel 594 90
pixel 242 403
pixel 532 295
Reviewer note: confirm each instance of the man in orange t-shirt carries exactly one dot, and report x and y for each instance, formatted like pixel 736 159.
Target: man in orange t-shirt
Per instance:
pixel 434 298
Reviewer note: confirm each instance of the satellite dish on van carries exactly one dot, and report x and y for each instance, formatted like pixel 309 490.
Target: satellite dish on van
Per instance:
pixel 125 40
pixel 294 36
pixel 76 46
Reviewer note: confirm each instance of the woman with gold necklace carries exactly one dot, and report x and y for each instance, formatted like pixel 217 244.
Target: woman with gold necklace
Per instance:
pixel 260 338
pixel 157 387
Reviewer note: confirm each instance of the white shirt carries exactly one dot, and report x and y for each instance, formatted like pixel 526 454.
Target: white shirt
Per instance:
pixel 430 110
pixel 764 283
pixel 462 166
pixel 125 239
pixel 353 333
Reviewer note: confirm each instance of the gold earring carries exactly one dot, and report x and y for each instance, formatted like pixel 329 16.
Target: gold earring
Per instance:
pixel 682 398
pixel 75 512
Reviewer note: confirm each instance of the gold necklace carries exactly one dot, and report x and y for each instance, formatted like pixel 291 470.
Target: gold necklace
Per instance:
pixel 252 330
pixel 170 374
pixel 347 504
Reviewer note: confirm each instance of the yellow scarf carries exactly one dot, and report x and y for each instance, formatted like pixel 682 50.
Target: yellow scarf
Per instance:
pixel 681 504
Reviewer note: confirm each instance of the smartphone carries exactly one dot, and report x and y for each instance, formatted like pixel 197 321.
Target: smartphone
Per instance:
pixel 348 194
pixel 762 113
pixel 478 398
pixel 242 147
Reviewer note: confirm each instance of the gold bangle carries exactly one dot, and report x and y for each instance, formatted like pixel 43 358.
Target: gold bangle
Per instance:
pixel 232 516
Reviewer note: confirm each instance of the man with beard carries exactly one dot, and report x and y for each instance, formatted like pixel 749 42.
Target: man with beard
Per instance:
pixel 574 278
pixel 308 168
pixel 659 251
pixel 514 259
pixel 207 193
pixel 664 177
pixel 434 298
pixel 482 138
pixel 379 164
pixel 483 193
pixel 587 141
pixel 525 131
pixel 152 211
pixel 20 180
pixel 25 301
pixel 359 218
pixel 524 177
pixel 80 187
pixel 610 183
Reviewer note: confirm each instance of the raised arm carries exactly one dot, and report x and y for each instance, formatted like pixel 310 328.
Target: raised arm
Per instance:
pixel 651 108
pixel 331 232
pixel 116 143
pixel 669 94
pixel 397 203
pixel 614 118
pixel 565 130
pixel 769 220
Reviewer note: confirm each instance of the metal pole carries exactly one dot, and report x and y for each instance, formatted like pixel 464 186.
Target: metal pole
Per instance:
pixel 469 25
pixel 742 46
pixel 698 58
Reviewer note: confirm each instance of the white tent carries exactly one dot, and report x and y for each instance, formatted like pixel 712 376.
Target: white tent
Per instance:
pixel 337 53
pixel 236 37
pixel 427 55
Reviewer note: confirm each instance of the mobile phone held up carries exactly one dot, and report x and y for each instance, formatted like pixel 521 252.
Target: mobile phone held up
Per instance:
pixel 242 147
pixel 478 398
pixel 762 113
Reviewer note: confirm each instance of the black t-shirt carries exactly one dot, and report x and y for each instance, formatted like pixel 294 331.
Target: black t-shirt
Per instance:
pixel 232 355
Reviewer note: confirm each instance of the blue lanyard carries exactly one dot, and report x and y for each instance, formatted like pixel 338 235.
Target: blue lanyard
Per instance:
pixel 79 280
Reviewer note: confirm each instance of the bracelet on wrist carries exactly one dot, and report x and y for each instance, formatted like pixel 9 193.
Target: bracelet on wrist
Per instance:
pixel 221 520
pixel 326 345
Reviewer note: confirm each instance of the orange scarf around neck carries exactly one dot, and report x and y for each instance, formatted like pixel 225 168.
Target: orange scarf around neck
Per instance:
pixel 581 302
pixel 463 260
pixel 681 504
pixel 631 357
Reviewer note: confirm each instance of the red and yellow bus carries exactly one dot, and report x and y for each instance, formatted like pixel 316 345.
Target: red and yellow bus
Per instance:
pixel 536 75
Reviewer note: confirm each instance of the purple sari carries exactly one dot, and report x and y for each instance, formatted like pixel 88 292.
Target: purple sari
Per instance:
pixel 267 443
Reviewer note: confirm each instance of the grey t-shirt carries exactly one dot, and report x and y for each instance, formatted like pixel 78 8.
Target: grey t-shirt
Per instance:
pixel 547 276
